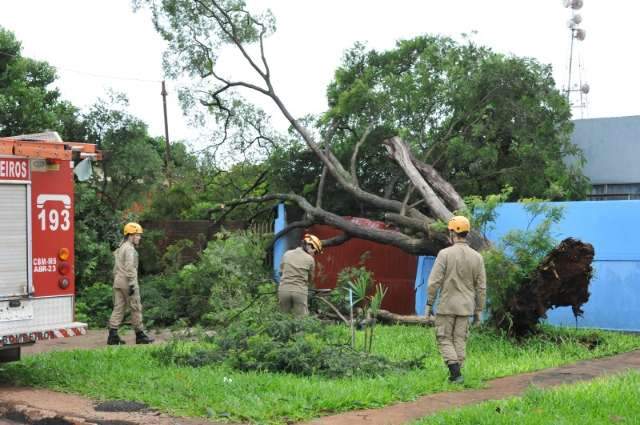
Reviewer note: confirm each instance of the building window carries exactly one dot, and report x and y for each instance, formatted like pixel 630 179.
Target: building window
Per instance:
pixel 617 191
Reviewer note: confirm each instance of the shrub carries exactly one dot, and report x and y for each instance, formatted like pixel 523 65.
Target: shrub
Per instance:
pixel 513 261
pixel 176 255
pixel 228 276
pixel 359 282
pixel 159 309
pixel 281 343
pixel 149 253
pixel 94 305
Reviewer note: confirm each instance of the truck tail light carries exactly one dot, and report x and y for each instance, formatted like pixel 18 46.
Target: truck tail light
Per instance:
pixel 64 268
pixel 63 282
pixel 63 254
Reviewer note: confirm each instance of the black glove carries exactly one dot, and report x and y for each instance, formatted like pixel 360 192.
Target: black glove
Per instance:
pixel 429 315
pixel 132 290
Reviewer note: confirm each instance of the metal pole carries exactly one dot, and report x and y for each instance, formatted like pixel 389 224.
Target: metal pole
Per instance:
pixel 353 329
pixel 167 155
pixel 570 63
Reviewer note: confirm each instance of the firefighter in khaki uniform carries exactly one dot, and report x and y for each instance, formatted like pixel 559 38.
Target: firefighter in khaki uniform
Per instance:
pixel 126 292
pixel 458 273
pixel 296 274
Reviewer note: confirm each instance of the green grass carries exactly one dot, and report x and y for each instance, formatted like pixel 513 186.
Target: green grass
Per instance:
pixel 611 400
pixel 131 373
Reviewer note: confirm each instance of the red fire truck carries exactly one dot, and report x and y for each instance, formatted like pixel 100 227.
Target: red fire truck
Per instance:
pixel 36 235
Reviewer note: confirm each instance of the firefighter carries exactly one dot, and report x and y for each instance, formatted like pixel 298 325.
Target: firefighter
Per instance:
pixel 458 275
pixel 296 274
pixel 126 292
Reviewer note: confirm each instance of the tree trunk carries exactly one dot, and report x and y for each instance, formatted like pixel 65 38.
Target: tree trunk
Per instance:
pixel 399 151
pixel 388 317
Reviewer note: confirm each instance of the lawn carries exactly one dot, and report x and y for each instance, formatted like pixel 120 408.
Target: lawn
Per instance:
pixel 610 400
pixel 131 373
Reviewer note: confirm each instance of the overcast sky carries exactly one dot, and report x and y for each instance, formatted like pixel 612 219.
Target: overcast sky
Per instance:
pixel 102 44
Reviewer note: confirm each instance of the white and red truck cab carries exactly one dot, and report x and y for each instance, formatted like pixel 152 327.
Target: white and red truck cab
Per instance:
pixel 37 285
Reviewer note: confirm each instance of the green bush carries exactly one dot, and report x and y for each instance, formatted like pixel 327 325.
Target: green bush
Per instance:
pixel 170 203
pixel 513 261
pixel 149 254
pixel 95 236
pixel 94 305
pixel 225 279
pixel 159 309
pixel 175 256
pixel 283 344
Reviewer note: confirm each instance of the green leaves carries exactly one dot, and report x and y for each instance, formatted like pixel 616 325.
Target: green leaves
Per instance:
pixel 280 343
pixel 28 103
pixel 485 120
pixel 229 273
pixel 360 281
pixel 512 262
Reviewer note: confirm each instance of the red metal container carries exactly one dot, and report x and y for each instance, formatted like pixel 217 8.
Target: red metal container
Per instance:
pixel 392 267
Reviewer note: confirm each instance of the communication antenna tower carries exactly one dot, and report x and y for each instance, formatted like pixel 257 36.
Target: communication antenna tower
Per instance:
pixel 576 93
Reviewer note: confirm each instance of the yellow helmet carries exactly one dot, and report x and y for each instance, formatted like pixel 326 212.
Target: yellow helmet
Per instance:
pixel 314 241
pixel 132 229
pixel 459 224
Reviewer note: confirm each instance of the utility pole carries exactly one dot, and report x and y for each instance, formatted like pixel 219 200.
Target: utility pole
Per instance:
pixel 167 155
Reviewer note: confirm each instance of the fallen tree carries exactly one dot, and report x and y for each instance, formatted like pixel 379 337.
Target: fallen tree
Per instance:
pixel 416 202
pixel 561 280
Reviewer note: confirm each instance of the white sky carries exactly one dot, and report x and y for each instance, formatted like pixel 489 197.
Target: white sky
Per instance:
pixel 102 44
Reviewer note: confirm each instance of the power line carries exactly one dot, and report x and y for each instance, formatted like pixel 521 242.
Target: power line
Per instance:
pixel 91 74
pixel 110 77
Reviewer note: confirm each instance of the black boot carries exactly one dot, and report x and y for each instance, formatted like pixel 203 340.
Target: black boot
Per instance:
pixel 143 338
pixel 114 338
pixel 454 373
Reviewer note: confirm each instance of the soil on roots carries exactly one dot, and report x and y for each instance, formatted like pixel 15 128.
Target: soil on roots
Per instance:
pixel 561 280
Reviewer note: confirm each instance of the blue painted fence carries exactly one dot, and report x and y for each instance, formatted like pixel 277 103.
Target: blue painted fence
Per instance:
pixel 280 246
pixel 613 228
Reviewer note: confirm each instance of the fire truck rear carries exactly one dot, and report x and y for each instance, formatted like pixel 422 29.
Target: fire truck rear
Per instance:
pixel 37 284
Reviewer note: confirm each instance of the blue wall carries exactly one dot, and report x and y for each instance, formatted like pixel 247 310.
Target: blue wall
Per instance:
pixel 280 245
pixel 422 283
pixel 613 228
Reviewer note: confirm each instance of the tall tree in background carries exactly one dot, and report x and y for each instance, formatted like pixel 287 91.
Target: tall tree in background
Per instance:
pixel 28 103
pixel 126 177
pixel 484 120
pixel 364 114
pixel 132 166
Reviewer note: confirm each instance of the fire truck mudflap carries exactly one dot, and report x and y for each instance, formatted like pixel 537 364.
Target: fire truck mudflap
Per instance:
pixel 37 285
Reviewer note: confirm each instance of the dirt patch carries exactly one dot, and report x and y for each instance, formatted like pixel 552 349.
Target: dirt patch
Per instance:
pixel 30 405
pixel 95 338
pixel 120 406
pixel 44 407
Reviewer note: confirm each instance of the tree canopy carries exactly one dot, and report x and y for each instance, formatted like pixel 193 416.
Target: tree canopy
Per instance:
pixel 401 127
pixel 28 103
pixel 484 120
